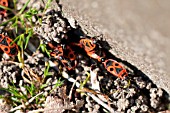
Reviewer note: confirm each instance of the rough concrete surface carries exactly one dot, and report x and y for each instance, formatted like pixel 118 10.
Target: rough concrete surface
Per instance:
pixel 138 31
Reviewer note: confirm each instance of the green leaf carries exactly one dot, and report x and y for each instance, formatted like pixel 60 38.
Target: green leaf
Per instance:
pixel 46 71
pixel 30 33
pixel 31 89
pixel 4 23
pixel 43 86
pixel 42 46
pixel 6 8
pixel 15 99
pixel 20 41
pixel 15 24
pixel 15 2
pixel 22 21
pixel 47 5
pixel 59 83
pixel 30 13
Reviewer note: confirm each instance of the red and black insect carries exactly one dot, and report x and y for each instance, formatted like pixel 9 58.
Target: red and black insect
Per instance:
pixel 3 3
pixel 65 54
pixel 90 46
pixel 7 45
pixel 115 68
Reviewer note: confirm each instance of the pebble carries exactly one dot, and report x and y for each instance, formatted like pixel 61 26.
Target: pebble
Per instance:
pixel 34 19
pixel 144 108
pixel 122 104
pixel 134 109
pixel 23 90
pixel 131 92
pixel 148 86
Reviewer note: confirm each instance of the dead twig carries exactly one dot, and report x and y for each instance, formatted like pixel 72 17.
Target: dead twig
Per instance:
pixel 71 90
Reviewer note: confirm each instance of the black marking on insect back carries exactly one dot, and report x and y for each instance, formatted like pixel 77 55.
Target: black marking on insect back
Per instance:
pixel 4 42
pixel 108 63
pixel 13 51
pixel 111 69
pixel 4 3
pixel 118 70
pixel 5 49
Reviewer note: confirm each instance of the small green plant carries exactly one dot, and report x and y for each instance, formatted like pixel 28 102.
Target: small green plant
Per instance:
pixel 22 20
pixel 47 5
pixel 58 84
pixel 46 71
pixel 18 96
pixel 44 49
pixel 29 96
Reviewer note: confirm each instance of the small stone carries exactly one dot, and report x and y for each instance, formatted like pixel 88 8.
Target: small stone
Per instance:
pixel 116 95
pixel 47 29
pixel 144 107
pixel 134 109
pixel 154 103
pixel 41 30
pixel 131 92
pixel 23 89
pixel 18 111
pixel 56 25
pixel 45 93
pixel 86 105
pixel 21 82
pixel 153 93
pixel 9 73
pixel 34 19
pixel 139 101
pixel 19 6
pixel 60 29
pixel 14 77
pixel 122 104
pixel 4 69
pixel 129 111
pixel 40 55
pixel 53 34
pixel 96 106
pixel 160 92
pixel 148 86
pixel 90 109
pixel 56 39
pixel 36 5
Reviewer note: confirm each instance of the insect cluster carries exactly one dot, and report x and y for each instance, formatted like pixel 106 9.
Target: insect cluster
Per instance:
pixel 66 48
pixel 69 49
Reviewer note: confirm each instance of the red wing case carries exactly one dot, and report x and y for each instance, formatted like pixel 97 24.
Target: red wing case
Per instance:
pixel 115 68
pixel 7 46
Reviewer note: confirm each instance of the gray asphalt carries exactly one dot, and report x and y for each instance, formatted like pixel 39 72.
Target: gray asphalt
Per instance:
pixel 137 30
